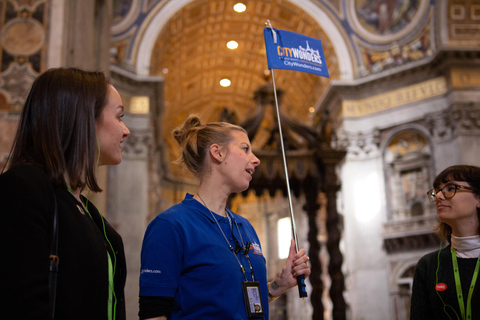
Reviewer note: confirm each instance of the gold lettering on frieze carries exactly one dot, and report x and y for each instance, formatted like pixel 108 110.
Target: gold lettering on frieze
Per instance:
pixel 462 78
pixel 394 98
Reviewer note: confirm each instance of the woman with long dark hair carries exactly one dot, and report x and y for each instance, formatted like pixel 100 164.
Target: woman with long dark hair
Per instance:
pixel 71 124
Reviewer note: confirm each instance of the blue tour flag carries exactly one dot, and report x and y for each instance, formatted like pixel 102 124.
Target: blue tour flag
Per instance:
pixel 294 51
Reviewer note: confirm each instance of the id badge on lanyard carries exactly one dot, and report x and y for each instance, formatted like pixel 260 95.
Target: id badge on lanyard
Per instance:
pixel 253 299
pixel 251 289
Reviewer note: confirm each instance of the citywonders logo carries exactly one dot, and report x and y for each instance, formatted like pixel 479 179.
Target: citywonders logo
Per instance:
pixel 294 51
pixel 303 54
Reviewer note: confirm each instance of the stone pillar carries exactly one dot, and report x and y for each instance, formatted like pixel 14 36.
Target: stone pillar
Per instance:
pixel 131 184
pixel 363 208
pixel 87 34
pixel 127 201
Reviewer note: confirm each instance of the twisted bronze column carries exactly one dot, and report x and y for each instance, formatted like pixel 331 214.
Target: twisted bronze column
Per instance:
pixel 336 259
pixel 311 207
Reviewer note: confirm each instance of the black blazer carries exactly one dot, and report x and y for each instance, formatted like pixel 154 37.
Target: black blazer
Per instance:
pixel 26 213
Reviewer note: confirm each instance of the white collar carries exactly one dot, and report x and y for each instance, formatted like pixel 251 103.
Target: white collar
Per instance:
pixel 466 247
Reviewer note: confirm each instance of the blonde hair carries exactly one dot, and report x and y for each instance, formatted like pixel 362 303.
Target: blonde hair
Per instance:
pixel 196 138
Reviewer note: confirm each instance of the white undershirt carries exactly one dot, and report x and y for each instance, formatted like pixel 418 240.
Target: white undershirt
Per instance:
pixel 466 247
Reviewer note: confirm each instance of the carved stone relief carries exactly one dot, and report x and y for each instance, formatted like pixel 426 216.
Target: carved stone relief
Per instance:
pixel 359 145
pixel 15 83
pixel 441 125
pixel 138 144
pixel 467 117
pixel 460 119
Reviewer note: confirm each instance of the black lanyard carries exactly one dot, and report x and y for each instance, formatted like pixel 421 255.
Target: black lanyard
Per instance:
pixel 244 248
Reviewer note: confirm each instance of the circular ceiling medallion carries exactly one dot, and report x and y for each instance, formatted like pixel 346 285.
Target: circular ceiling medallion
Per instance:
pixel 383 21
pixel 22 37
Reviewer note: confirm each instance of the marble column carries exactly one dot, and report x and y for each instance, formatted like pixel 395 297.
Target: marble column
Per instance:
pixel 128 201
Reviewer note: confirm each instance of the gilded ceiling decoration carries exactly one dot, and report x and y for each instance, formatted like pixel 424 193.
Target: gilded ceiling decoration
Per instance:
pixel 190 50
pixel 463 23
pixel 23 29
pixel 391 33
pixel 191 54
pixel 407 142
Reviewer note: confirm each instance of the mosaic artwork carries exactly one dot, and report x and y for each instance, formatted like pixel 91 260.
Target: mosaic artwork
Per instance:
pixel 386 16
pixel 376 60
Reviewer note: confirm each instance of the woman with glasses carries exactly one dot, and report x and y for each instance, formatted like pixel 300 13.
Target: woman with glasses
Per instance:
pixel 445 284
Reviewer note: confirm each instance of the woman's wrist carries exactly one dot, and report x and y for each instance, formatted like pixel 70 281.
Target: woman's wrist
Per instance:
pixel 271 297
pixel 274 290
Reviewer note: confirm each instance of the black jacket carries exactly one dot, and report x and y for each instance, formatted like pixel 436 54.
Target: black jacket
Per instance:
pixel 426 303
pixel 26 202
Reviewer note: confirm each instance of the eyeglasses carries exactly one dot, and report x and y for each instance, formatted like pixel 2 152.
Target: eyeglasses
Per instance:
pixel 448 191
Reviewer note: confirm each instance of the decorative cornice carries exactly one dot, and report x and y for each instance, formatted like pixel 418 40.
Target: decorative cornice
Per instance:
pixel 409 243
pixel 460 119
pixel 128 76
pixel 358 145
pixel 437 65
pixel 410 234
pixel 467 117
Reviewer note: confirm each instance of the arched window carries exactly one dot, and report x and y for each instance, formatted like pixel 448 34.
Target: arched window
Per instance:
pixel 403 294
pixel 408 166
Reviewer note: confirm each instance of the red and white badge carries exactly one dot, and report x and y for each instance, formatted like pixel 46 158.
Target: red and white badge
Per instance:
pixel 441 287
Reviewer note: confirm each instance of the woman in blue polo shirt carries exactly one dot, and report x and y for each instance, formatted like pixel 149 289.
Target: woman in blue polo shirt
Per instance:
pixel 199 259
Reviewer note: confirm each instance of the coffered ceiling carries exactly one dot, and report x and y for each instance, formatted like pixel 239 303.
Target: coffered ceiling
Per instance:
pixel 192 56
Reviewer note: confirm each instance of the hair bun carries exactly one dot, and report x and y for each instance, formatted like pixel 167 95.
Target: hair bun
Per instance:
pixel 190 125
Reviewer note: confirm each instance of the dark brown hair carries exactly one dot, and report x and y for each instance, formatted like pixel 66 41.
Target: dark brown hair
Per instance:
pixel 466 173
pixel 196 138
pixel 57 126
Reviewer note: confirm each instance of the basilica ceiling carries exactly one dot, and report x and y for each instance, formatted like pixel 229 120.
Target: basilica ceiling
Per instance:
pixel 191 54
pixel 189 50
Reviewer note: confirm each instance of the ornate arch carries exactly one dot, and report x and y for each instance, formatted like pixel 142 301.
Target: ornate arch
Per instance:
pixel 407 153
pixel 401 287
pixel 162 12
